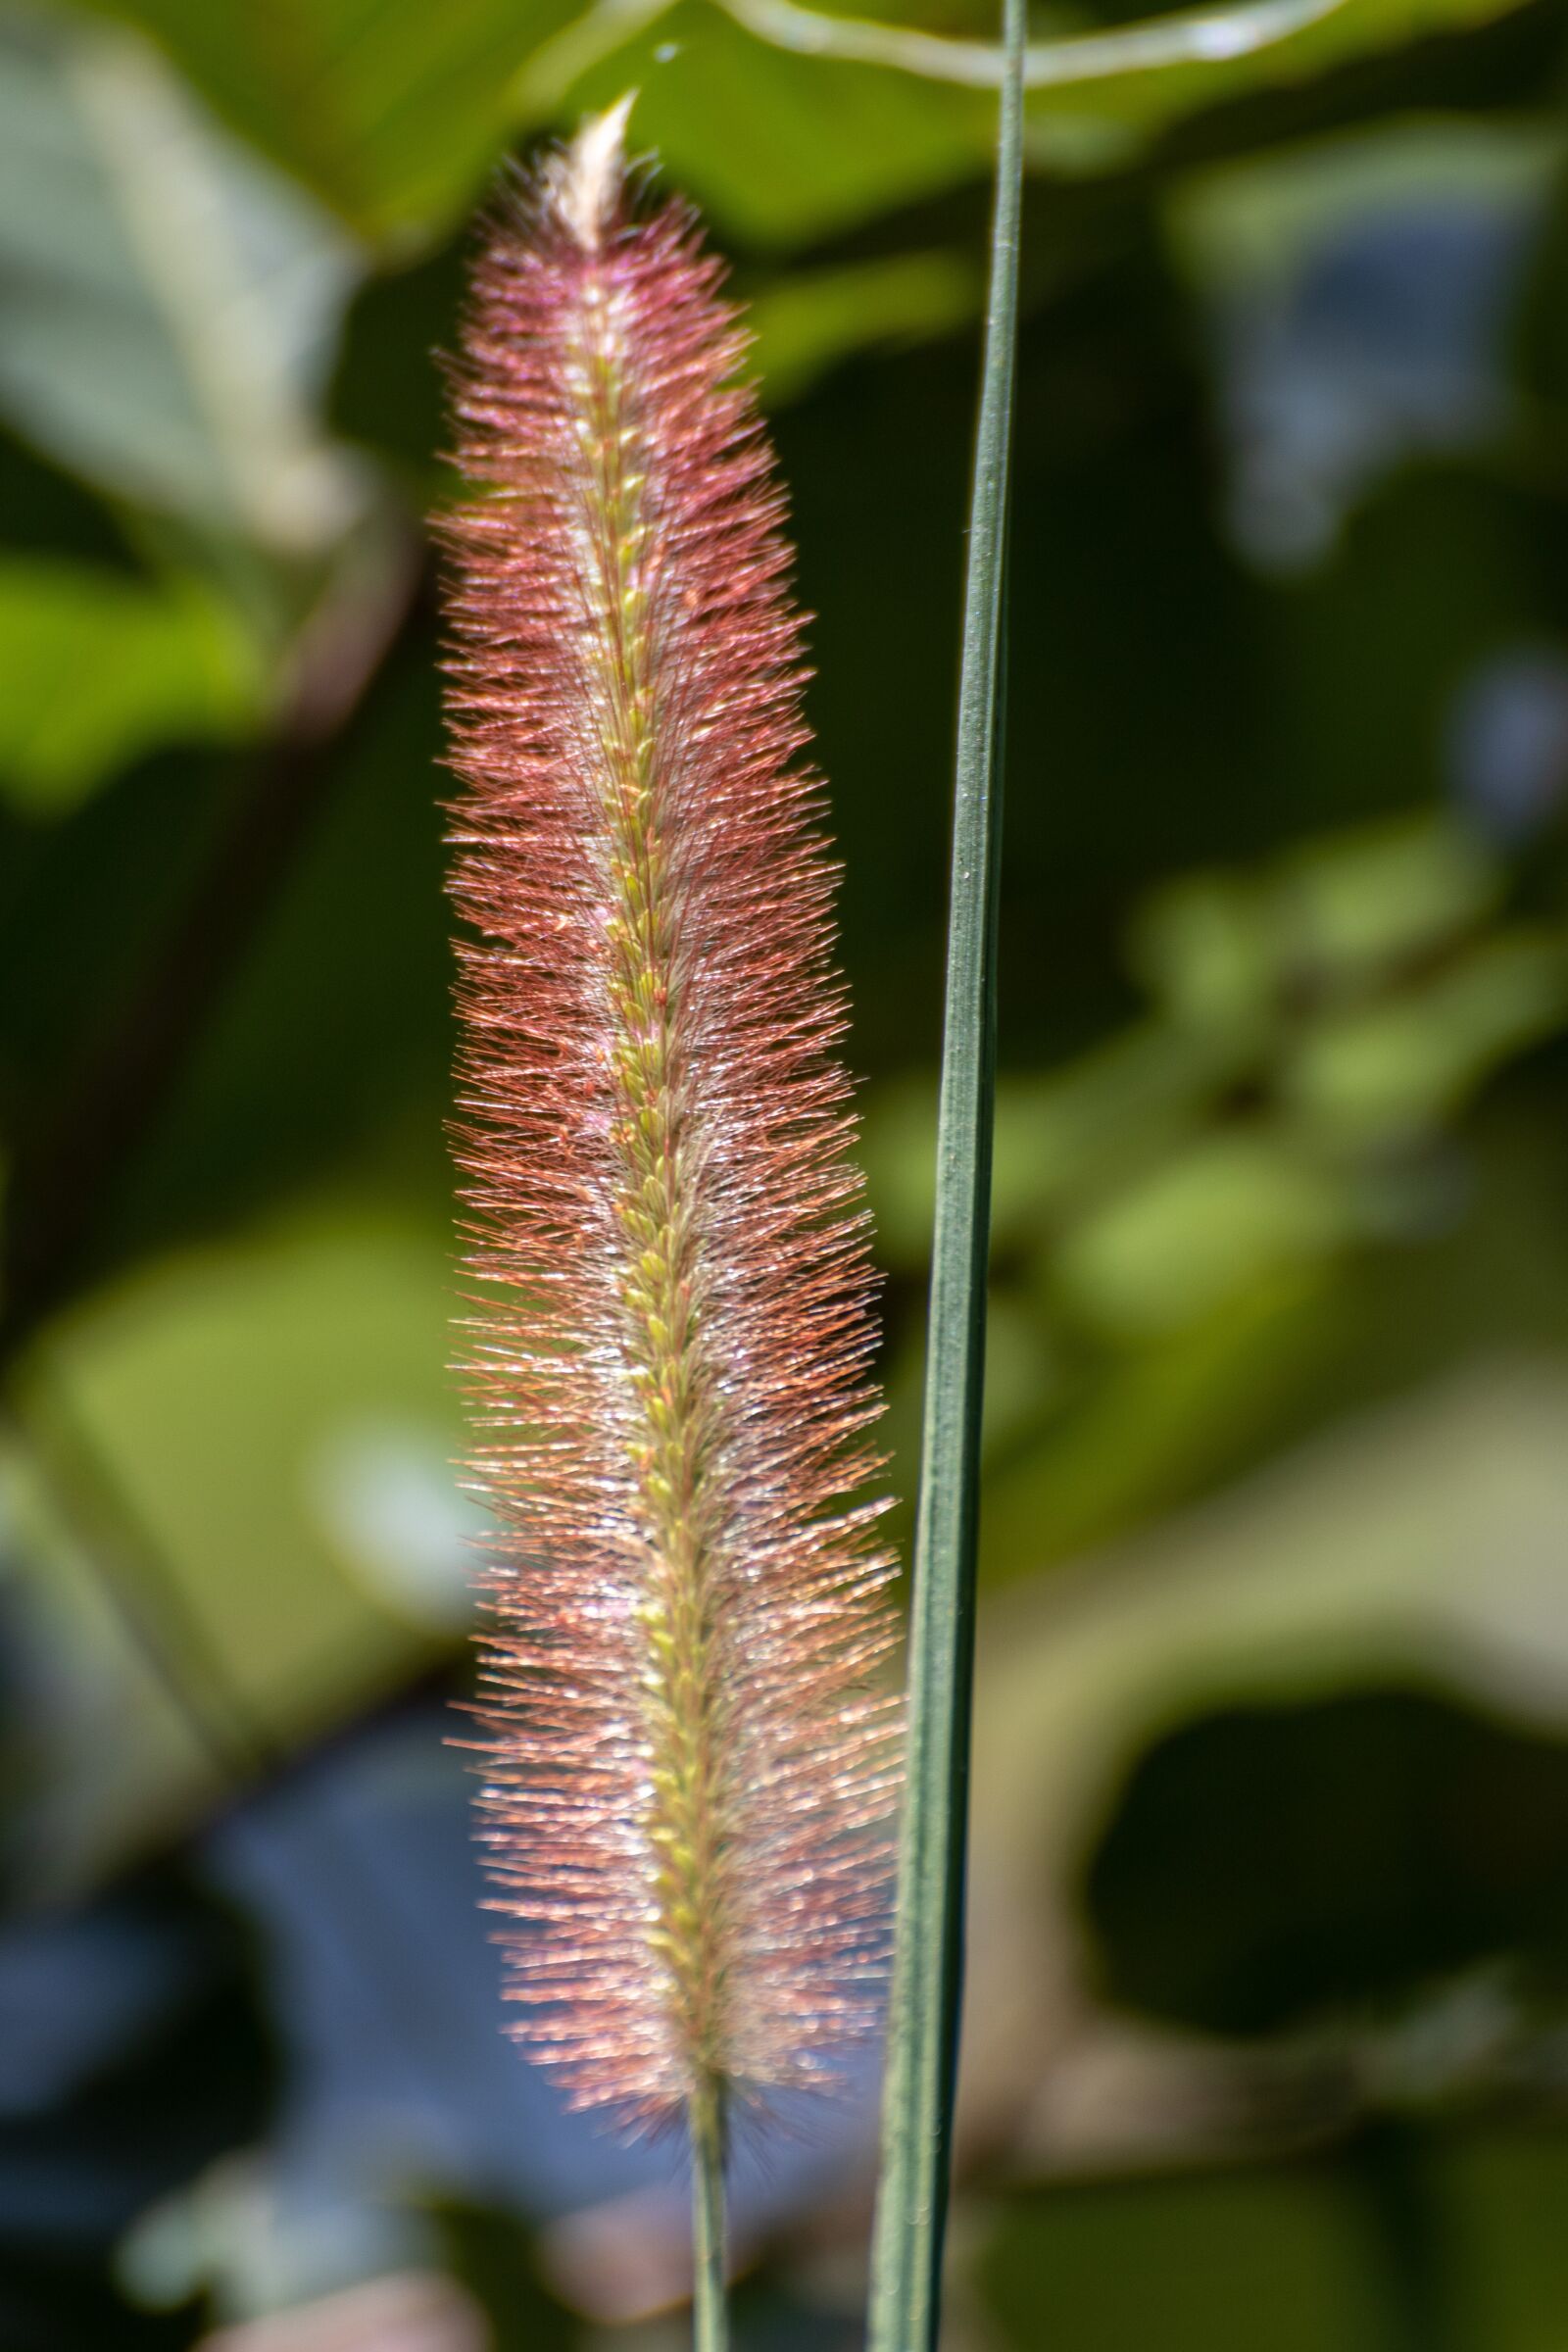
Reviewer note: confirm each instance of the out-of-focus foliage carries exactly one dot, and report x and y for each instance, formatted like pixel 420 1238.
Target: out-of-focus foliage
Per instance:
pixel 165 294
pixel 164 665
pixel 393 117
pixel 1283 2257
pixel 1266 2040
pixel 392 114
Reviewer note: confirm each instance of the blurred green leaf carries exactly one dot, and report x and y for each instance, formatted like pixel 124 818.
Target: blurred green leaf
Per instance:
pixel 165 298
pixel 1250 2262
pixel 1327 921
pixel 779 149
pixel 781 145
pixel 392 111
pixel 1353 910
pixel 1061 1139
pixel 1512 2185
pixel 97 667
pixel 804 322
pixel 1402 1066
pixel 1207 949
pixel 1307 978
pixel 1284 2258
pixel 1182 1213
pixel 226 1397
pixel 1234 1210
pixel 1160 1421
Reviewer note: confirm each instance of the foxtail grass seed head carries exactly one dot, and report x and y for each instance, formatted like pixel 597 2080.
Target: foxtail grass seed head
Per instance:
pixel 690 1756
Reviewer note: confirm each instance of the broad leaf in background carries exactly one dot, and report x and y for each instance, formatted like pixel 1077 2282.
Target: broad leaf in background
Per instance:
pixel 786 136
pixel 809 319
pixel 777 148
pixel 166 302
pixel 264 1432
pixel 392 114
pixel 97 667
pixel 1283 2256
pixel 391 110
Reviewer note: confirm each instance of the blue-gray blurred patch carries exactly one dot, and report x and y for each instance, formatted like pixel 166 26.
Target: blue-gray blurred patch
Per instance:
pixel 1360 293
pixel 1386 348
pixel 1506 743
pixel 400 2084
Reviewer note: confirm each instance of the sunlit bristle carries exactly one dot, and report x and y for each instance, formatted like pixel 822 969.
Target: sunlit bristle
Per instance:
pixel 690 1755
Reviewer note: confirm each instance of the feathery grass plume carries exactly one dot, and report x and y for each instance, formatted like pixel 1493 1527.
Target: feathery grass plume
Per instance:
pixel 688 1753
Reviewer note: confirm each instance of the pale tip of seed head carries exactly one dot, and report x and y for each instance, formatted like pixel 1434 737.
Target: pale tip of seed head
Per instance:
pixel 586 177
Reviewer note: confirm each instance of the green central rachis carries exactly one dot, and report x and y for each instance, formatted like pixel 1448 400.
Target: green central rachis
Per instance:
pixel 682 1822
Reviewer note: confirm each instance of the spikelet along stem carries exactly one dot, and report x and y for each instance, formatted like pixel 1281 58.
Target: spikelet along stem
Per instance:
pixel 689 1755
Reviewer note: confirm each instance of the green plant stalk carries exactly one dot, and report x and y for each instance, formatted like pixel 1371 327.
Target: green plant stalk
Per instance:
pixel 710 2311
pixel 652 1210
pixel 927 1974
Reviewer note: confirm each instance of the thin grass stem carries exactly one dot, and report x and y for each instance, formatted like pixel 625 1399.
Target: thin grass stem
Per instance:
pixel 923 2010
pixel 709 2309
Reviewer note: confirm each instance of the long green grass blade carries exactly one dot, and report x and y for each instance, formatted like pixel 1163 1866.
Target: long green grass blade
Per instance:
pixel 924 2011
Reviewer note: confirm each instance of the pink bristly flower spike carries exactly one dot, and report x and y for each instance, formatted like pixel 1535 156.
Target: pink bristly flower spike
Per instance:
pixel 690 1752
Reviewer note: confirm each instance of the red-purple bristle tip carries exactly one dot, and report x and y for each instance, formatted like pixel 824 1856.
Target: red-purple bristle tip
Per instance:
pixel 690 1751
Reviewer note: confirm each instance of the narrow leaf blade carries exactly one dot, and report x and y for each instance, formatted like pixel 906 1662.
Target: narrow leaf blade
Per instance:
pixel 922 2025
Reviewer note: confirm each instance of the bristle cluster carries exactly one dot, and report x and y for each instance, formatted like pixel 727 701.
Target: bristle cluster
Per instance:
pixel 689 1752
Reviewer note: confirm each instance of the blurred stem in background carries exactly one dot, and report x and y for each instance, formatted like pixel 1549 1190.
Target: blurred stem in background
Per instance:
pixel 65 1179
pixel 1192 39
pixel 923 2013
pixel 1390 2164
